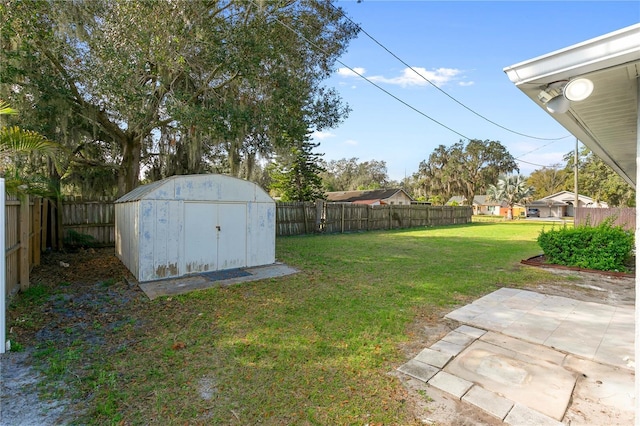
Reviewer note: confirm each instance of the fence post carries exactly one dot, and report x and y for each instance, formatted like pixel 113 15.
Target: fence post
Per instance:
pixel 24 242
pixel 36 230
pixel 368 210
pixel 320 216
pixel 304 217
pixel 44 222
pixel 59 227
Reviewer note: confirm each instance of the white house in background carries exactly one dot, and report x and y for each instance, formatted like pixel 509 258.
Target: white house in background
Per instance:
pixel 561 204
pixel 607 120
pixel 480 205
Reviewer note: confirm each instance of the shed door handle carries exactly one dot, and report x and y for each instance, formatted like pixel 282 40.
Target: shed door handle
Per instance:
pixel 218 227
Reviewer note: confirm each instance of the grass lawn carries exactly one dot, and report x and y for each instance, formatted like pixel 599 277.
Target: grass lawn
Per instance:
pixel 312 348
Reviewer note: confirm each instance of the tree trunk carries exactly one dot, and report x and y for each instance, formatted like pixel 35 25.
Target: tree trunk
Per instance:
pixel 234 157
pixel 128 175
pixel 250 163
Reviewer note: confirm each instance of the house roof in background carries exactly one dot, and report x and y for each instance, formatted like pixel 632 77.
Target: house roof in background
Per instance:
pixel 606 122
pixel 479 200
pixel 366 196
pixel 562 198
pixel 568 196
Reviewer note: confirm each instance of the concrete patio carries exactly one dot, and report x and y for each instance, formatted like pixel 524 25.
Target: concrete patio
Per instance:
pixel 524 357
pixel 203 281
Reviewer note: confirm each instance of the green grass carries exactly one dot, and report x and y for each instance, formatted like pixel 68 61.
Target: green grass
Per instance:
pixel 311 348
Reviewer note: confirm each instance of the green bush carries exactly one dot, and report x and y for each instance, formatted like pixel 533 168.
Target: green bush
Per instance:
pixel 604 247
pixel 77 240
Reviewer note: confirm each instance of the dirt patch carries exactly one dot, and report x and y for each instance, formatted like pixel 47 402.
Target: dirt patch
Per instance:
pixel 81 297
pixel 607 288
pixel 20 402
pixel 542 262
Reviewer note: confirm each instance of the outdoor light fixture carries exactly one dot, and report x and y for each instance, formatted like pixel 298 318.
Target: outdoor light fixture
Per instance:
pixel 557 96
pixel 578 89
pixel 558 105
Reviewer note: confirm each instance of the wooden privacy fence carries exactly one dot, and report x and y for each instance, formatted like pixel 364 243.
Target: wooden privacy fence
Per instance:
pixel 308 218
pixel 95 218
pixel 23 243
pixel 622 216
pixel 34 224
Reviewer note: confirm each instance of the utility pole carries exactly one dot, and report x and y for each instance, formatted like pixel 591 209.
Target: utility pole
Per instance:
pixel 575 184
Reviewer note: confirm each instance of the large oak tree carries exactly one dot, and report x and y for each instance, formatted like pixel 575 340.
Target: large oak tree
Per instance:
pixel 173 85
pixel 351 174
pixel 465 169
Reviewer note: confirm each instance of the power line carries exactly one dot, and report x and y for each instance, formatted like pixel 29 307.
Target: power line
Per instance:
pixel 371 82
pixel 534 150
pixel 400 100
pixel 533 164
pixel 439 89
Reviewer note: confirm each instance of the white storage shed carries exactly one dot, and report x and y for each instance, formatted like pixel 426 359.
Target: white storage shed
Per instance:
pixel 196 223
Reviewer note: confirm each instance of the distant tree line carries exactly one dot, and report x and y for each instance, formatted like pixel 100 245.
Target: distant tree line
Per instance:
pixel 481 168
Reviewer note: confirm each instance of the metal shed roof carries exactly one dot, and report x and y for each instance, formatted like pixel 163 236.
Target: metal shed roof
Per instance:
pixel 205 187
pixel 140 192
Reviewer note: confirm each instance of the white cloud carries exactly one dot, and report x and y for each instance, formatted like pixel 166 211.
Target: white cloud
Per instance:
pixel 414 77
pixel 322 135
pixel 347 72
pixel 351 142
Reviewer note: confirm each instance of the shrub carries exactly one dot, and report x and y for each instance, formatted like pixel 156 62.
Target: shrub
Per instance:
pixel 78 240
pixel 604 247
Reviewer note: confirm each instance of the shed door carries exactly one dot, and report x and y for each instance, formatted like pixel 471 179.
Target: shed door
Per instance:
pixel 232 236
pixel 200 237
pixel 215 236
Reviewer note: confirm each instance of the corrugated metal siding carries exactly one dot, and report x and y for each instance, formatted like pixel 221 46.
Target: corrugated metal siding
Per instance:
pixel 160 239
pixel 261 233
pixel 146 239
pixel 126 227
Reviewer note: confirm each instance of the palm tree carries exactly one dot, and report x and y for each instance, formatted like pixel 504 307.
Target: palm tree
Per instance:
pixel 14 140
pixel 512 190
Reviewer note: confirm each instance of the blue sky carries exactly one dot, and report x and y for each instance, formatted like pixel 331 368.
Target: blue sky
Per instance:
pixel 462 47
